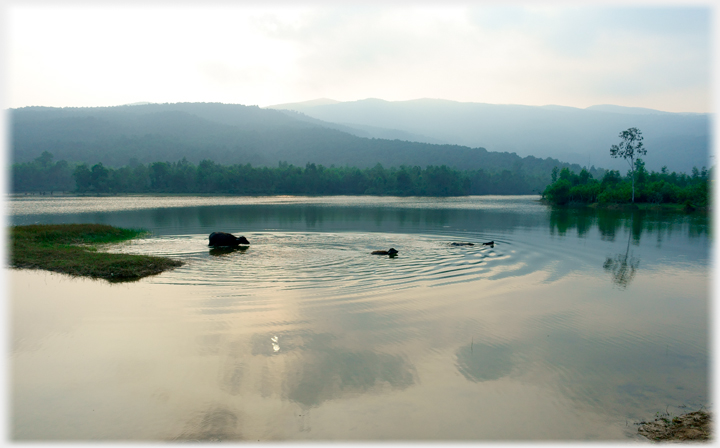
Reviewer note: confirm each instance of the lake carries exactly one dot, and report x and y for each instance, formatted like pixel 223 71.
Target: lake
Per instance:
pixel 575 326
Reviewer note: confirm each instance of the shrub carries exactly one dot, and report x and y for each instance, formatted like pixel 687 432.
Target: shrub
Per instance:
pixel 587 193
pixel 619 195
pixel 559 192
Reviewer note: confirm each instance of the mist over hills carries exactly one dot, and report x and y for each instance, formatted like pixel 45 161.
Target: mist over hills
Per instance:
pixel 235 134
pixel 580 136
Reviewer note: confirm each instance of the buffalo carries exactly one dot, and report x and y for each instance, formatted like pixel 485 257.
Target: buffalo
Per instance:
pixel 222 239
pixel 392 252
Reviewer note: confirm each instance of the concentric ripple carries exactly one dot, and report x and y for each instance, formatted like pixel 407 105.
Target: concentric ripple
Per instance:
pixel 339 261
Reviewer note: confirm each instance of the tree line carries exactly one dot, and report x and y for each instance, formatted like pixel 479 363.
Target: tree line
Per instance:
pixel 649 187
pixel 44 175
pixel 638 186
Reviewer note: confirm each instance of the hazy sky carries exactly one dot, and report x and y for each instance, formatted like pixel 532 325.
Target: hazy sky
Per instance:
pixel 649 55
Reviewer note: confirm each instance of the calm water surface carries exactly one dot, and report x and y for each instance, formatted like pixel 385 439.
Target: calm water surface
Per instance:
pixel 575 326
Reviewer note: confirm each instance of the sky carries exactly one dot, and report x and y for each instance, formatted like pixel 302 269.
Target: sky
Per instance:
pixel 654 55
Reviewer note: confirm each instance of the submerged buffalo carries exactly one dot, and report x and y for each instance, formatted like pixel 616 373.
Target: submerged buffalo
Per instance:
pixel 222 239
pixel 392 252
pixel 220 251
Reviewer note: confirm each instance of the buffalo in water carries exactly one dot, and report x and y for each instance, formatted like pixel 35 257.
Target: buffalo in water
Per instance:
pixel 489 243
pixel 222 239
pixel 392 252
pixel 220 251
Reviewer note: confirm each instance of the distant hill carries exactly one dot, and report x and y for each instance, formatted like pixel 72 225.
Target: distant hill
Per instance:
pixel 364 131
pixel 235 134
pixel 581 136
pixel 316 102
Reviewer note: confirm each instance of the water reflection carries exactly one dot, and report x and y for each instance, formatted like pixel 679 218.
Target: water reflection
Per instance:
pixel 667 228
pixel 484 362
pixel 610 222
pixel 335 372
pixel 220 251
pixel 214 425
pixel 316 369
pixel 386 214
pixel 622 267
pixel 306 335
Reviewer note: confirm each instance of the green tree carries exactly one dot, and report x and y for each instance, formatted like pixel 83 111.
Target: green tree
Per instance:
pixel 45 160
pixel 629 148
pixel 160 176
pixel 559 192
pixel 83 177
pixel 99 176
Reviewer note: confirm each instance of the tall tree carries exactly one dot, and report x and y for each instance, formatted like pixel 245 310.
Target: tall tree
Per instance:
pixel 629 148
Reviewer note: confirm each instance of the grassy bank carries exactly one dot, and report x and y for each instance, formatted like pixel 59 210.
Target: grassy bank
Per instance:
pixel 70 249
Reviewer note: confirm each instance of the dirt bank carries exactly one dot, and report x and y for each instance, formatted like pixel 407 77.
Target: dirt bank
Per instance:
pixel 691 426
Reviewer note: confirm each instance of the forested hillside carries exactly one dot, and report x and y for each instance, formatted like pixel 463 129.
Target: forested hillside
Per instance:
pixel 230 134
pixel 570 134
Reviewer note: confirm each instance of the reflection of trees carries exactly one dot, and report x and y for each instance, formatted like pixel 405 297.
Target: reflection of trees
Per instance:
pixel 560 220
pixel 355 214
pixel 609 222
pixel 623 267
pixel 564 219
pixel 700 225
pixel 639 222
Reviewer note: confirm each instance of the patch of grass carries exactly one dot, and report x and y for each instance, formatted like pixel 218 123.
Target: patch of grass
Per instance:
pixel 70 249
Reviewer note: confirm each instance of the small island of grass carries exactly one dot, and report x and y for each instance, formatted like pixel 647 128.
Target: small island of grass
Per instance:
pixel 70 249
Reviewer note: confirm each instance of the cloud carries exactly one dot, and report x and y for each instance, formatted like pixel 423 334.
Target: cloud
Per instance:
pixel 578 56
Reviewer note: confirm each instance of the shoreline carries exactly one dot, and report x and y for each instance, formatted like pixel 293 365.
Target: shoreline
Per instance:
pixel 693 426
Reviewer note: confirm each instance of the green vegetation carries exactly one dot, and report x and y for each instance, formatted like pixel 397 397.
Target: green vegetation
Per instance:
pixel 689 191
pixel 42 175
pixel 209 177
pixel 652 188
pixel 70 249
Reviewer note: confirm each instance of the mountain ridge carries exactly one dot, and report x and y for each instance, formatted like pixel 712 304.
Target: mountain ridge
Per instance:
pixel 582 136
